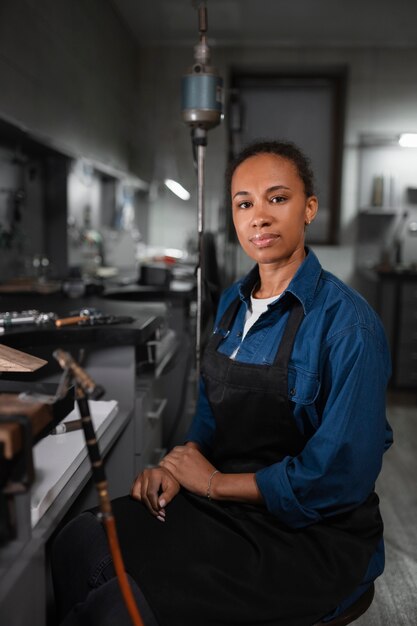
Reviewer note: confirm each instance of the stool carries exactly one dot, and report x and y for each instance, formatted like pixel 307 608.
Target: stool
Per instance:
pixel 354 611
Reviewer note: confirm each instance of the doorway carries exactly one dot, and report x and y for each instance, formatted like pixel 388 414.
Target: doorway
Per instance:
pixel 306 108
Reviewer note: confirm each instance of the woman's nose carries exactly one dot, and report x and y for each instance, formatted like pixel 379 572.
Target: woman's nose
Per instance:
pixel 261 217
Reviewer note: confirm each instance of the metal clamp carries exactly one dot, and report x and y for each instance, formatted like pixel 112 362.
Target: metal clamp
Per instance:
pixel 152 346
pixel 156 415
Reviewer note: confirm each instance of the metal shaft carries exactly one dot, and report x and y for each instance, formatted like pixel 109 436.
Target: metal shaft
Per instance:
pixel 201 153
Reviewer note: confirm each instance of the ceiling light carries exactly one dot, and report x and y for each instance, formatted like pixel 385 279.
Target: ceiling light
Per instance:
pixel 177 189
pixel 408 140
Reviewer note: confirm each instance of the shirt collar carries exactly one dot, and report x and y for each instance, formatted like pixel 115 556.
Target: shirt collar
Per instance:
pixel 303 285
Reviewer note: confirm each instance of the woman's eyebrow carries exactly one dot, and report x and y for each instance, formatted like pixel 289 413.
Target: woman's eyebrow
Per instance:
pixel 240 193
pixel 277 187
pixel 274 188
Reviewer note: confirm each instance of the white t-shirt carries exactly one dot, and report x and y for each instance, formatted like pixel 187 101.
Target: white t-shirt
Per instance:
pixel 257 307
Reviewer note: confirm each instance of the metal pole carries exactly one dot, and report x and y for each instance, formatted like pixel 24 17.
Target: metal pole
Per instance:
pixel 201 153
pixel 202 90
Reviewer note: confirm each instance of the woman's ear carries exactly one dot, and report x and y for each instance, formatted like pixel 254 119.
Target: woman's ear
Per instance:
pixel 312 205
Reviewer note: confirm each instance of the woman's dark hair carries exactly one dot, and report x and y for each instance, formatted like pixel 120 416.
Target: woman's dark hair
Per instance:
pixel 283 149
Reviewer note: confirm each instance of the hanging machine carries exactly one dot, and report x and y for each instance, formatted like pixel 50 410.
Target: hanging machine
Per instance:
pixel 202 105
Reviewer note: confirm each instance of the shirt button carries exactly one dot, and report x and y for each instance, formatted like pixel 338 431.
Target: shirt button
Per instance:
pixel 239 334
pixel 293 391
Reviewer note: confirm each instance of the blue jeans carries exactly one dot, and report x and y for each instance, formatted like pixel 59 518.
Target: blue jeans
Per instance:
pixel 86 588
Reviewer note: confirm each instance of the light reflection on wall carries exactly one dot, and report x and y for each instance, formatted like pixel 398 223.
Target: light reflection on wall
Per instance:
pixel 84 195
pixel 125 207
pixel 84 217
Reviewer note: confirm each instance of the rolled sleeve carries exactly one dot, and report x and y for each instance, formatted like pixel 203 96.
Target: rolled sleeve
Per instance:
pixel 279 496
pixel 338 466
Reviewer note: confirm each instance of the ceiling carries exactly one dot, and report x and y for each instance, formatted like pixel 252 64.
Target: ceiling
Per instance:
pixel 249 23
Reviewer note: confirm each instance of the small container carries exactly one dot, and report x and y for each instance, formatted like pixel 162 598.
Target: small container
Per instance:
pixel 377 198
pixel 158 275
pixel 74 288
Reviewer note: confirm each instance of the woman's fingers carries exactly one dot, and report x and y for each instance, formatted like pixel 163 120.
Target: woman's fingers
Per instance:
pixel 149 491
pixel 145 489
pixel 169 489
pixel 136 490
pixel 155 488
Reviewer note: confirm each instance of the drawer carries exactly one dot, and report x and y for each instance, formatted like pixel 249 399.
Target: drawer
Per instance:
pixel 138 464
pixel 142 406
pixel 150 458
pixel 149 412
pixel 152 423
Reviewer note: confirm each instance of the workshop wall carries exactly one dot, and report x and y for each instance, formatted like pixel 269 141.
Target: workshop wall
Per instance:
pixel 67 71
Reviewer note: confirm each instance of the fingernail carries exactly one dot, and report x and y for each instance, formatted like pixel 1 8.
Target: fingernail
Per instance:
pixel 162 512
pixel 161 519
pixel 162 503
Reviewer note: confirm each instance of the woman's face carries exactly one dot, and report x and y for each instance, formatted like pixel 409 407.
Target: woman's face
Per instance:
pixel 270 209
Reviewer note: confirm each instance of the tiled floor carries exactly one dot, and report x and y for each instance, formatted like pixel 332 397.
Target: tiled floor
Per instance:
pixel 395 602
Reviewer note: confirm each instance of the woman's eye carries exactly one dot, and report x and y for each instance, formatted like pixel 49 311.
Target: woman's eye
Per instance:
pixel 244 205
pixel 277 199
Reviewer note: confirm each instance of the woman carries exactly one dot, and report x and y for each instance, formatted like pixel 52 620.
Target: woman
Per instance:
pixel 267 514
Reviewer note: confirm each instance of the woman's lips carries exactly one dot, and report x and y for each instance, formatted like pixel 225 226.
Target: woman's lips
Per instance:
pixel 264 240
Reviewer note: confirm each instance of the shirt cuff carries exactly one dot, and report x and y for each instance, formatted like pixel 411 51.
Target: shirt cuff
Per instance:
pixel 279 497
pixel 203 439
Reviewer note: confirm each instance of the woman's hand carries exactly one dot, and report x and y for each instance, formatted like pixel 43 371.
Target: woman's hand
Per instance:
pixel 155 487
pixel 189 467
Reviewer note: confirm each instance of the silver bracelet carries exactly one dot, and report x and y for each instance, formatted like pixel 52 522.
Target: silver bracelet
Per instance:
pixel 209 484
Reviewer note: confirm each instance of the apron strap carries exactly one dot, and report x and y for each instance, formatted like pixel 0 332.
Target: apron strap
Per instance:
pixel 223 328
pixel 285 347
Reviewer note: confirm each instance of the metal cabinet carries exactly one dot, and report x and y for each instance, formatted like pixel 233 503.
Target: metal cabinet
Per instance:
pixel 406 357
pixel 398 309
pixel 162 397
pixel 132 442
pixel 148 419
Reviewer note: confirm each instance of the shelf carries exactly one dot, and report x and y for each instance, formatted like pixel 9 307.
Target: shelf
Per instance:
pixel 378 211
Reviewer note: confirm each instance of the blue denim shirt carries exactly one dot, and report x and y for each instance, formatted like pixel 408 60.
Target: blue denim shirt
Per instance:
pixel 337 378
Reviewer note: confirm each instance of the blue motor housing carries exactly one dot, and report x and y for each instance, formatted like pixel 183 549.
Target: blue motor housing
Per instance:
pixel 201 98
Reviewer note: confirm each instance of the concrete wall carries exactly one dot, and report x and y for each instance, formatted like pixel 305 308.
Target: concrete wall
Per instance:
pixel 68 77
pixel 67 74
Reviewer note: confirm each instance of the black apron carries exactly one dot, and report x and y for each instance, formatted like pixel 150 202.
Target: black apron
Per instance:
pixel 222 563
